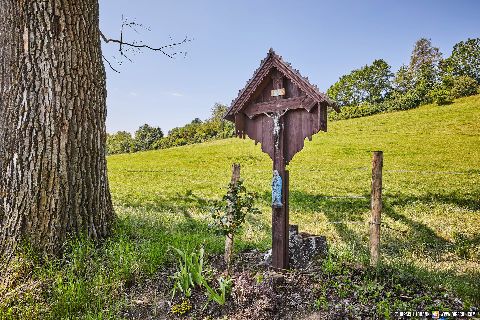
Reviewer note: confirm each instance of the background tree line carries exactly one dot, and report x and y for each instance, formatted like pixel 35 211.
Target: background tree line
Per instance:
pixel 427 78
pixel 150 138
pixel 365 91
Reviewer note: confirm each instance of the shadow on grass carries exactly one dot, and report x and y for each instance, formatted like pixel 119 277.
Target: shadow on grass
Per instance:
pixel 176 222
pixel 466 285
pixel 179 227
pixel 419 240
pixel 353 209
pixel 179 203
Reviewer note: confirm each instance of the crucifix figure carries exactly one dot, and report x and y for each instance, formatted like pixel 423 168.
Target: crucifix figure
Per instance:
pixel 277 127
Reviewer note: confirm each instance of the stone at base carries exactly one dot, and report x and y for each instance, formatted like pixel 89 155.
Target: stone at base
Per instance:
pixel 304 249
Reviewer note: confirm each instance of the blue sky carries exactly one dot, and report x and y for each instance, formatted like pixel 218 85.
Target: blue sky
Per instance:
pixel 323 39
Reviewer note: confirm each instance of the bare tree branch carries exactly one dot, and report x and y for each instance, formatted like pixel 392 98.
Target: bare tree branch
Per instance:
pixel 140 46
pixel 109 64
pixel 126 46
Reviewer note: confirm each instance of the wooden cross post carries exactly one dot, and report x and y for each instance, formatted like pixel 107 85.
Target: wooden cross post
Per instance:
pixel 279 108
pixel 280 214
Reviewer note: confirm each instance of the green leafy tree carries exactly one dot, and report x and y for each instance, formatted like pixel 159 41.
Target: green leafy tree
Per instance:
pixel 146 136
pixel 377 81
pixel 465 59
pixel 120 142
pixel 371 83
pixel 224 129
pixel 403 80
pixel 446 74
pixel 459 73
pixel 424 68
pixel 199 131
pixel 218 112
pixel 343 91
pixel 424 53
pixel 464 86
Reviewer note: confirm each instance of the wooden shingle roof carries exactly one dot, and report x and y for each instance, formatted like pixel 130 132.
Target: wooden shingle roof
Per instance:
pixel 275 61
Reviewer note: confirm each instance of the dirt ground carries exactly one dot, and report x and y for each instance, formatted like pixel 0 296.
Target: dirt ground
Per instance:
pixel 260 293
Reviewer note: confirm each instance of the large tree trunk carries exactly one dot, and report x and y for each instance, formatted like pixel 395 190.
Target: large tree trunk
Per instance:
pixel 53 178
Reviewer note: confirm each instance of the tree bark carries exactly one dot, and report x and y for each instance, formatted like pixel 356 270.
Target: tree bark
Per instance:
pixel 53 178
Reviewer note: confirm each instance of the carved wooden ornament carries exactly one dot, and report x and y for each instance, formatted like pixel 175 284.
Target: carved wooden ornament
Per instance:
pixel 277 91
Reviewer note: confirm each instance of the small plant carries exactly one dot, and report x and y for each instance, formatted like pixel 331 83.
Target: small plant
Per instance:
pixel 330 266
pixel 383 308
pixel 259 278
pixel 464 246
pixel 321 303
pixel 229 214
pixel 225 285
pixel 189 273
pixel 181 308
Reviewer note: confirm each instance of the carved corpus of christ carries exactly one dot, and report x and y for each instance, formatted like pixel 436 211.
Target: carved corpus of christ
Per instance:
pixel 277 127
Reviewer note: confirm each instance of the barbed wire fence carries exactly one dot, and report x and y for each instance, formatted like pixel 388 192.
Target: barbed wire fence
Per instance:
pixel 298 170
pixel 302 170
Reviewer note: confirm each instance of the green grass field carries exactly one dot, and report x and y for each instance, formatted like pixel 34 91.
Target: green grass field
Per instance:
pixel 431 209
pixel 431 188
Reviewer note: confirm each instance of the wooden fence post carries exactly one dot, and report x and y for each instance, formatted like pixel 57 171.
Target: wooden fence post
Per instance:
pixel 229 237
pixel 376 206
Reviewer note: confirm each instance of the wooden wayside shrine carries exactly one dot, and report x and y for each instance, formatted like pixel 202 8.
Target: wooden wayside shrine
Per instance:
pixel 279 108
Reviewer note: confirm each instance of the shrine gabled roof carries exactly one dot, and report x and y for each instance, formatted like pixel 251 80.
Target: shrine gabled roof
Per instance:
pixel 275 61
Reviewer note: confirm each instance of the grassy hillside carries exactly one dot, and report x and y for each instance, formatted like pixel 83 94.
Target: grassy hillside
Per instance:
pixel 431 188
pixel 431 214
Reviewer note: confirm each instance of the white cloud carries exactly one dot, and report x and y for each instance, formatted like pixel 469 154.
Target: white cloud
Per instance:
pixel 173 93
